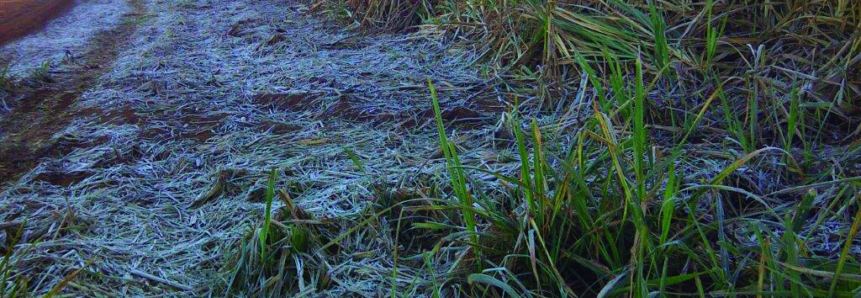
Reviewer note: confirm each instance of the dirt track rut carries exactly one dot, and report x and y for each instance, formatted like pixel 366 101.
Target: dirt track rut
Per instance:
pixel 43 103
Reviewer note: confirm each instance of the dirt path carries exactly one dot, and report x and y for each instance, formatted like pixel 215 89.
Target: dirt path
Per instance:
pixel 21 17
pixel 156 165
pixel 44 104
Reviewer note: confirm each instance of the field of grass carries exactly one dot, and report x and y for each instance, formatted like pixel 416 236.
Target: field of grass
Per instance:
pixel 446 148
pixel 677 148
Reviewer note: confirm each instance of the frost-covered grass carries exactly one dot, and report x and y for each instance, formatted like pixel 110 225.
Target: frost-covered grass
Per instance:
pixel 661 148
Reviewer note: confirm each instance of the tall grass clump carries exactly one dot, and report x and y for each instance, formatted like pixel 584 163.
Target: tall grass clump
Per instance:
pixel 282 256
pixel 383 15
pixel 606 217
pixel 756 52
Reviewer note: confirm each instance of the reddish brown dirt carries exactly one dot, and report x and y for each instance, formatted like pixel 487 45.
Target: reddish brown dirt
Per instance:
pixel 473 114
pixel 26 132
pixel 21 17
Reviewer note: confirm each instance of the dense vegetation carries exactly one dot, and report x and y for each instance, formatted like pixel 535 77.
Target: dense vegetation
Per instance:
pixel 718 156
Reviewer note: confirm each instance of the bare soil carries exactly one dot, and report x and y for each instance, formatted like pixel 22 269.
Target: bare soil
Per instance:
pixel 19 18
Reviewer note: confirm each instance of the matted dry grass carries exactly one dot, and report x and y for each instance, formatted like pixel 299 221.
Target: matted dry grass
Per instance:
pixel 166 164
